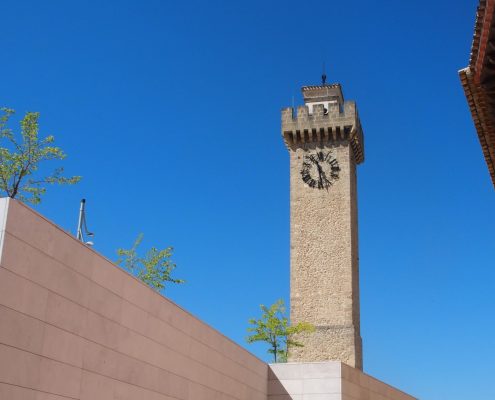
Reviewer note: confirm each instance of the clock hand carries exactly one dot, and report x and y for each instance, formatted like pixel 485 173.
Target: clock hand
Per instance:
pixel 326 179
pixel 320 171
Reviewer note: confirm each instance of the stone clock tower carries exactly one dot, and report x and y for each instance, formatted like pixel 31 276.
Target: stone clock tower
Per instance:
pixel 325 143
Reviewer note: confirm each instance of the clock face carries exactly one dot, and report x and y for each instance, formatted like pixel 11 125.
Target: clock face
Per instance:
pixel 320 170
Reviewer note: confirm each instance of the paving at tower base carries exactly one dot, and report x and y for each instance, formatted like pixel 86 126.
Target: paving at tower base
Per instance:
pixel 75 326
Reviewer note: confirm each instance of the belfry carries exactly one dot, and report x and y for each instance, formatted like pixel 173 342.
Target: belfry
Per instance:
pixel 325 143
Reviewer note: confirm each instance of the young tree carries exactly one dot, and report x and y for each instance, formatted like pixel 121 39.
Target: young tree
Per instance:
pixel 20 160
pixel 154 269
pixel 273 328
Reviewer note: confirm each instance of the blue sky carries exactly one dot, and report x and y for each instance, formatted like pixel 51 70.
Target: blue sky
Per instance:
pixel 171 112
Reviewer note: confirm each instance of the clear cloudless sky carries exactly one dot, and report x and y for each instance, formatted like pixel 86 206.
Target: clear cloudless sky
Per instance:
pixel 171 112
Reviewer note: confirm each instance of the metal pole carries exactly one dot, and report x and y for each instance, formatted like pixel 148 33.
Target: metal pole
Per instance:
pixel 80 222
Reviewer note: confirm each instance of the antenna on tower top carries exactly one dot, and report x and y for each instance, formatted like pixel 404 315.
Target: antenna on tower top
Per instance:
pixel 323 76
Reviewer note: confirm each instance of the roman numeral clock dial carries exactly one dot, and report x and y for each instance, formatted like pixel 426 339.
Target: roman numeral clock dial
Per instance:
pixel 320 170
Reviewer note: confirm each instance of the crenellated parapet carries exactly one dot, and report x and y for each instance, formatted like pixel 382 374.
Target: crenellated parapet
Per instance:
pixel 336 123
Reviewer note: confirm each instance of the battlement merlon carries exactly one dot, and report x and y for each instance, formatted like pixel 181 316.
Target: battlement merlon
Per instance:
pixel 339 122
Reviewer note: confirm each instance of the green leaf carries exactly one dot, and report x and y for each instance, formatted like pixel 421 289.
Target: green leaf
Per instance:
pixel 20 159
pixel 273 328
pixel 154 269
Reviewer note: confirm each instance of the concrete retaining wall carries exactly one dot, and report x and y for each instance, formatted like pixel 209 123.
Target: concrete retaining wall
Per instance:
pixel 75 326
